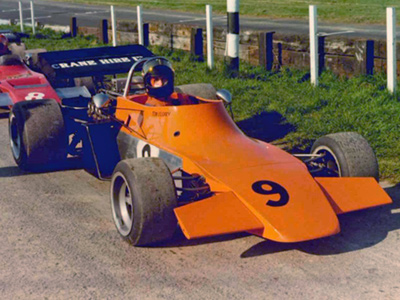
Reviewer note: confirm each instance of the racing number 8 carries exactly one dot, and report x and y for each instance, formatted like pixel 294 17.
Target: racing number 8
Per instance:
pixel 274 189
pixel 34 96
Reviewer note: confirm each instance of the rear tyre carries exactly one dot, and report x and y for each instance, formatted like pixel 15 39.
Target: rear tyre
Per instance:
pixel 143 199
pixel 37 134
pixel 348 154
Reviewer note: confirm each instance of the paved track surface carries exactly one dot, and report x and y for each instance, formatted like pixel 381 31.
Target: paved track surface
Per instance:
pixel 59 13
pixel 57 240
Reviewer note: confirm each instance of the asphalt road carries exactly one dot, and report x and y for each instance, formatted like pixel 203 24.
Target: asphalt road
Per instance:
pixel 59 13
pixel 57 240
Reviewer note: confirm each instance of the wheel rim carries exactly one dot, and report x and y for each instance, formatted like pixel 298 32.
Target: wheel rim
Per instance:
pixel 15 138
pixel 122 204
pixel 329 161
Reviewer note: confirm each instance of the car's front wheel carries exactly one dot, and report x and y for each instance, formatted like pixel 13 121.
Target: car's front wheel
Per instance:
pixel 345 154
pixel 143 199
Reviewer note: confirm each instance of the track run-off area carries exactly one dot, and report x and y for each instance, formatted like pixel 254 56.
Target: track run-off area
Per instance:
pixel 58 241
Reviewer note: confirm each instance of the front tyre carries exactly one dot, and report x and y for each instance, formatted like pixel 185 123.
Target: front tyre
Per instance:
pixel 143 199
pixel 346 154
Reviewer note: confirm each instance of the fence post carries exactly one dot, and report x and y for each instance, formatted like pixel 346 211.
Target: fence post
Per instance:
pixel 73 27
pixel 171 39
pixel 313 45
pixel 321 54
pixel 266 55
pixel 113 26
pixel 233 35
pixel 104 31
pixel 21 17
pixel 33 19
pixel 370 56
pixel 196 43
pixel 210 37
pixel 140 24
pixel 391 49
pixel 146 35
pixel 280 60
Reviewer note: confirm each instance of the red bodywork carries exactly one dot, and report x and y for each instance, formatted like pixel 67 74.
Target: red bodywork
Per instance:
pixel 21 83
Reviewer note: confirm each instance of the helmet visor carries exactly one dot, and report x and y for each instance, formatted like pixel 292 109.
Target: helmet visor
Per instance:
pixel 157 81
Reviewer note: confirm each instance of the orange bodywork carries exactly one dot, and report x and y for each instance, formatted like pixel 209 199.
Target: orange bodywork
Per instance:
pixel 256 186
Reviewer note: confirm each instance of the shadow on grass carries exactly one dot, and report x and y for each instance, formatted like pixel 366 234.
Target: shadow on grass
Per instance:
pixel 267 126
pixel 359 230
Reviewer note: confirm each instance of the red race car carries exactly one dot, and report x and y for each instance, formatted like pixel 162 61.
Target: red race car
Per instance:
pixel 17 81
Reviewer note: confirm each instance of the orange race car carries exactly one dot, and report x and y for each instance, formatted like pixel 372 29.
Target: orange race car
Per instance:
pixel 175 156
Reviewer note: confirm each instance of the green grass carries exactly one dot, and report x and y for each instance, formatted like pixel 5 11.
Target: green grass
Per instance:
pixel 345 11
pixel 52 40
pixel 360 104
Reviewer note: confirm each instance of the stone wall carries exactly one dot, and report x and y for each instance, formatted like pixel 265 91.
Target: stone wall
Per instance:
pixel 344 56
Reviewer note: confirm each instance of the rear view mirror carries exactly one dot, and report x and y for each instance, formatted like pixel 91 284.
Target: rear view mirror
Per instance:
pixel 225 96
pixel 101 100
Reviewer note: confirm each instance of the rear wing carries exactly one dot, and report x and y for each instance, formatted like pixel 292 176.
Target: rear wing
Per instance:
pixel 69 64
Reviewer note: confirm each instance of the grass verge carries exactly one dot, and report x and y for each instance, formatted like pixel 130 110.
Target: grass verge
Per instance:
pixel 284 107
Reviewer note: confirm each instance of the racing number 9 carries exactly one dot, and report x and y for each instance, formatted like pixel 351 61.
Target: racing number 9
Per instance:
pixel 274 189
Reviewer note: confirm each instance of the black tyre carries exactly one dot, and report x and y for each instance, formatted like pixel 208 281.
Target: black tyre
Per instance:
pixel 348 154
pixel 37 134
pixel 203 90
pixel 143 199
pixel 10 60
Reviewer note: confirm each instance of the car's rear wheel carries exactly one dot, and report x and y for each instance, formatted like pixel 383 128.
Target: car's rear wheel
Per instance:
pixel 345 154
pixel 143 199
pixel 37 134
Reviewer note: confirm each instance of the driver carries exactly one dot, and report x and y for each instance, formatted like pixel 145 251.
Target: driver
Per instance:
pixel 158 77
pixel 4 45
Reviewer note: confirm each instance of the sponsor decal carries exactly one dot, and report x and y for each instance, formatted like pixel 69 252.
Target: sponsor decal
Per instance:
pixel 161 113
pixel 18 76
pixel 96 62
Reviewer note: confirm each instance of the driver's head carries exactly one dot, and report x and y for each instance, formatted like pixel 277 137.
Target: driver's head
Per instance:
pixel 158 77
pixel 3 45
